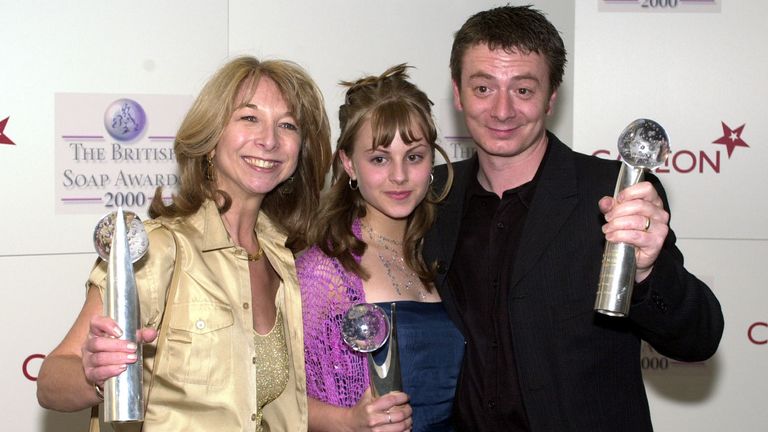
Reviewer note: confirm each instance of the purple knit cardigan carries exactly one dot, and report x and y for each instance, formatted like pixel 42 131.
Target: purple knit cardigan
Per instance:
pixel 335 373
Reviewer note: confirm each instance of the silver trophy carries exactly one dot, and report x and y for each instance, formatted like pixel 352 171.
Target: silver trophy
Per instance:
pixel 366 328
pixel 120 240
pixel 642 145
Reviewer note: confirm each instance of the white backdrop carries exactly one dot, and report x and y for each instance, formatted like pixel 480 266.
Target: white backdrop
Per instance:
pixel 688 71
pixel 692 73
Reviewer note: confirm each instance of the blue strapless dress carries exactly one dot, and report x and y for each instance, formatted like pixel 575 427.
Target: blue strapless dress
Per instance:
pixel 431 351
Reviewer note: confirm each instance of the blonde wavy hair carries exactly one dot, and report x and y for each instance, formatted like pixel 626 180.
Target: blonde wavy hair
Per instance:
pixel 293 204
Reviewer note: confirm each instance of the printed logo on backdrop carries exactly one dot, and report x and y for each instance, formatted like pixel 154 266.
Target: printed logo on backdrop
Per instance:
pixel 757 333
pixel 459 147
pixel 659 6
pixel 4 139
pixel 454 136
pixel 731 138
pixel 115 150
pixel 125 120
pixel 30 367
pixel 653 363
pixel 709 160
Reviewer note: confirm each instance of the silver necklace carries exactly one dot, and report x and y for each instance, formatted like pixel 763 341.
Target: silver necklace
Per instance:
pixel 390 254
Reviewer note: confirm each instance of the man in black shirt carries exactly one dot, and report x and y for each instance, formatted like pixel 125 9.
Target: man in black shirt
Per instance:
pixel 518 246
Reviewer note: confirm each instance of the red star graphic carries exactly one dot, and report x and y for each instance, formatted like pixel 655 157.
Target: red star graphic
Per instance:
pixel 3 137
pixel 731 138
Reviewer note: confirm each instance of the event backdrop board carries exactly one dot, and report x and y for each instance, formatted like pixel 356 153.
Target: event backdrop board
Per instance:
pixel 698 70
pixel 343 40
pixel 87 47
pixel 99 51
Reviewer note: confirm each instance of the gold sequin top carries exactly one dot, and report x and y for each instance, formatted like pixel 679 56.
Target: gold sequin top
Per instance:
pixel 271 366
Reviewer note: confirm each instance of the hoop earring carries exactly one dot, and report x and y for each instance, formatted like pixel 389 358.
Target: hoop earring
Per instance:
pixel 431 178
pixel 352 183
pixel 210 172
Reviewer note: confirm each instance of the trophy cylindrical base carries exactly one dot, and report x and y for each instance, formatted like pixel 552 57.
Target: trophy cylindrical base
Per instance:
pixel 386 377
pixel 123 394
pixel 617 278
pixel 617 274
pixel 123 398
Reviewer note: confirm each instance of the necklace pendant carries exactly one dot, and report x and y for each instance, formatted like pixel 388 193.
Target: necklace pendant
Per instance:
pixel 391 257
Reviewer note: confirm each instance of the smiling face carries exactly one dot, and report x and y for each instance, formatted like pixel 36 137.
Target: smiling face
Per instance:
pixel 505 97
pixel 259 147
pixel 393 180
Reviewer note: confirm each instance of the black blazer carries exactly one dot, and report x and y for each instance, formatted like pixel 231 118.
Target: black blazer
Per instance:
pixel 578 370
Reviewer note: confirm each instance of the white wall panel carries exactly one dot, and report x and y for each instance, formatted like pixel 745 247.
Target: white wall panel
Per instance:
pixel 692 72
pixel 343 40
pixel 689 71
pixel 83 46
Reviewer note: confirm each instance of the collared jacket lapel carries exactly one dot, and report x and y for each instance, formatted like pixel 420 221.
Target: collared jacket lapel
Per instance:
pixel 554 200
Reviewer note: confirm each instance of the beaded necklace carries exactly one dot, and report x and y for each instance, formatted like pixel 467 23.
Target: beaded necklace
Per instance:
pixel 390 254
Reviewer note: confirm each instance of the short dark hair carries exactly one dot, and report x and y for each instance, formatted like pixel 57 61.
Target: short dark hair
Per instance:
pixel 511 28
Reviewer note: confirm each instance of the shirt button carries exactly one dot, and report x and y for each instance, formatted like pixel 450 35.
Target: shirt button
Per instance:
pixel 245 306
pixel 253 417
pixel 200 324
pixel 253 360
pixel 491 404
pixel 500 225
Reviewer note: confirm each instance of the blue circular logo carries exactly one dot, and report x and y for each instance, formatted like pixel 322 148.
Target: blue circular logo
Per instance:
pixel 125 119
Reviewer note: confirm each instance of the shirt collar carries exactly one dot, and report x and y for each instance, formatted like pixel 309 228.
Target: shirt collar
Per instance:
pixel 524 192
pixel 215 235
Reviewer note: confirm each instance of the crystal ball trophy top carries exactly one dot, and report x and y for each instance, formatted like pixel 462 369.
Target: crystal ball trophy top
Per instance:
pixel 366 328
pixel 120 240
pixel 642 145
pixel 103 234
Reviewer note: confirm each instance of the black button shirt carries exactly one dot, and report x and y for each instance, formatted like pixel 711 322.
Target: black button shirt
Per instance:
pixel 488 395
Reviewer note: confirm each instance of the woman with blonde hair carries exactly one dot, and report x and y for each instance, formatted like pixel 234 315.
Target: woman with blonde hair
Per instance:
pixel 252 154
pixel 367 249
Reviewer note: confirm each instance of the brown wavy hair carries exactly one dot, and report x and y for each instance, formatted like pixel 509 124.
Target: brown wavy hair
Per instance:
pixel 393 105
pixel 293 204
